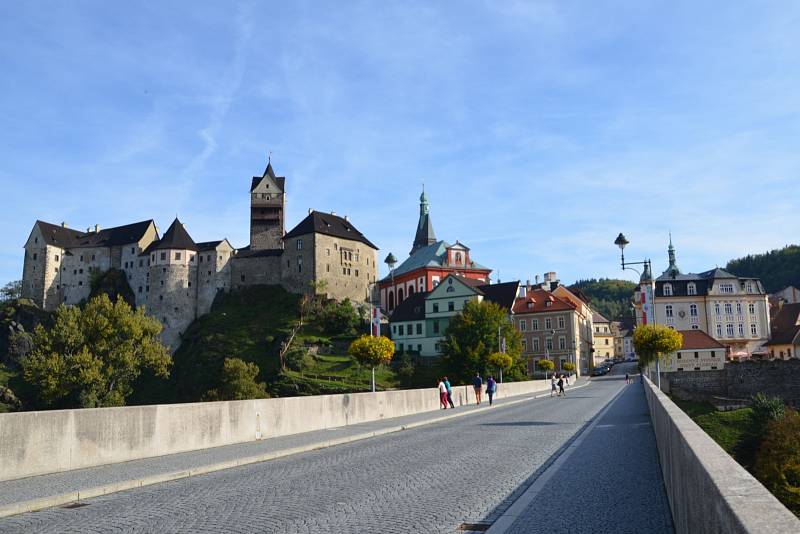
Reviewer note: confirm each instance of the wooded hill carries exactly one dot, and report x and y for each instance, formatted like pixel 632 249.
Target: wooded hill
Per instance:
pixel 609 296
pixel 777 268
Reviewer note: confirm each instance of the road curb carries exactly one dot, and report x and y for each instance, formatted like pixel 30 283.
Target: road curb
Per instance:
pixel 35 505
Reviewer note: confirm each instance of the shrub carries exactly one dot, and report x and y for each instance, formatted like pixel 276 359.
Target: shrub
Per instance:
pixel 238 382
pixel 778 462
pixel 766 409
pixel 545 365
pixel 568 366
pixel 295 358
pixel 404 366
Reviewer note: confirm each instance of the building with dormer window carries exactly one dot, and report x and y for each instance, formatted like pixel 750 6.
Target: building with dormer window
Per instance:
pixel 731 309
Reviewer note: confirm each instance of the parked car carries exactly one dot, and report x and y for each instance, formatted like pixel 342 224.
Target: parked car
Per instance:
pixel 599 371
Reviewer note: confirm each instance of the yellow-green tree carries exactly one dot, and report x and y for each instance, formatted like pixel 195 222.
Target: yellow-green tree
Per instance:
pixel 545 365
pixel 91 356
pixel 654 341
pixel 238 382
pixel 372 351
pixel 500 360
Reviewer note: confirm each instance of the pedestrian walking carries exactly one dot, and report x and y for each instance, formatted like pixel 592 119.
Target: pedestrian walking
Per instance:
pixel 449 392
pixel 567 379
pixel 561 386
pixel 477 384
pixel 491 388
pixel 553 387
pixel 442 394
pixel 627 378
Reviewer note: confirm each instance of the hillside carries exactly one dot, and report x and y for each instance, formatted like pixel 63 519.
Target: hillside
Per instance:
pixel 610 297
pixel 777 268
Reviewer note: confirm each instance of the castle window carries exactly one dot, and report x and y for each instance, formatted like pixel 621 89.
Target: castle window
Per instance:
pixel 162 283
pixel 344 270
pixel 191 257
pixel 133 250
pixel 668 310
pixel 335 246
pixel 693 310
pixel 56 269
pixel 327 252
pixel 75 271
pixel 80 282
pixel 548 323
pixel 35 239
pixel 177 310
pixel 161 297
pixel 751 308
pixel 81 257
pixel 80 271
pixel 451 306
pixel 147 288
pixel 356 273
pixel 561 322
pixel 35 255
pixel 177 255
pixel 419 329
pixel 534 324
pixel 667 290
pixel 56 257
pixel 749 287
pixel 164 269
pixel 140 289
pixel 327 267
pixel 189 283
pixel 141 263
pixel 242 278
pixel 209 273
pixel 163 256
pixel 299 244
pixel 299 264
pixel 201 259
pixel 93 257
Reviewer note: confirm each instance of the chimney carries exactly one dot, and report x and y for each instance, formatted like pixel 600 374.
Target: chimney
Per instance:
pixel 310 210
pixel 537 279
pixel 333 213
pixel 346 218
pixel 96 228
pixel 64 225
pixel 527 286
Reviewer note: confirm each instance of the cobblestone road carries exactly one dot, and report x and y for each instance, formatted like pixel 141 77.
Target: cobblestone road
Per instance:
pixel 428 479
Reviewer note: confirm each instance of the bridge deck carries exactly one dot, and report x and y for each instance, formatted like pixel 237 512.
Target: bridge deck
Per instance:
pixel 427 479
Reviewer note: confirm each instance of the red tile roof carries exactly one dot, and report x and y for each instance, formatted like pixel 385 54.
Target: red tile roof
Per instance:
pixel 699 340
pixel 536 302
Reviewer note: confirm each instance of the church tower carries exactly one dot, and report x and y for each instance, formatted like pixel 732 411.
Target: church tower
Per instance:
pixel 267 203
pixel 425 235
pixel 673 270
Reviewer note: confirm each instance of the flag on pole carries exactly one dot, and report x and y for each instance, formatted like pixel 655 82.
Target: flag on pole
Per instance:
pixel 375 321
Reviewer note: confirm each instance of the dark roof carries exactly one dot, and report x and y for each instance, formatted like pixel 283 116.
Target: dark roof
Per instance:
pixel 328 224
pixel 598 318
pixel 176 237
pixel 785 325
pixel 279 180
pixel 503 294
pixel 411 309
pixel 425 235
pixel 245 252
pixel 209 245
pixel 60 236
pixel 698 340
pixel 680 285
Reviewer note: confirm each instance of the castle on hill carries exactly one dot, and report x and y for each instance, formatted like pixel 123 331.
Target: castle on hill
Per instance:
pixel 176 279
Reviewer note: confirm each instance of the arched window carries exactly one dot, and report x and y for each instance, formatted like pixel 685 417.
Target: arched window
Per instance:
pixel 458 258
pixel 691 289
pixel 752 308
pixel 399 296
pixel 391 300
pixel 667 290
pixel 410 290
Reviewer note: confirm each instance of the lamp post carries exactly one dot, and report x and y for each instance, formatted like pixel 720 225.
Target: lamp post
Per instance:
pixel 390 261
pixel 648 306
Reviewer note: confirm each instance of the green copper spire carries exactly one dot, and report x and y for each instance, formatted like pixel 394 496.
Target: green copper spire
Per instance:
pixel 673 269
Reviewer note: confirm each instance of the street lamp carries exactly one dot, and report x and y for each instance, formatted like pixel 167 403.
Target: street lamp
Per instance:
pixel 646 277
pixel 391 261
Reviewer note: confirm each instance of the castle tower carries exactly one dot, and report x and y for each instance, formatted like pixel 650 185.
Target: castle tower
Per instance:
pixel 267 203
pixel 173 282
pixel 425 235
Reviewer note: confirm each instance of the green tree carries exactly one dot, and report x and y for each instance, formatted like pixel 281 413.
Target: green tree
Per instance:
pixel 238 382
pixel 11 291
pixel 777 268
pixel 372 351
pixel 778 461
pixel 500 360
pixel 568 366
pixel 655 341
pixel 473 335
pixel 610 297
pixel 339 318
pixel 91 356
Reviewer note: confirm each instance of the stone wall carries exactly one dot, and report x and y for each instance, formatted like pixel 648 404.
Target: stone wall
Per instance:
pixel 347 267
pixel 36 443
pixel 258 270
pixel 173 296
pixel 742 380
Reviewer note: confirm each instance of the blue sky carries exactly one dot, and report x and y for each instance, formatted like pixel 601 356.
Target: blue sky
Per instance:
pixel 540 129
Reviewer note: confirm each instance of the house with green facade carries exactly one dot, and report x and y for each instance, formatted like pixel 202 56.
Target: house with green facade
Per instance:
pixel 419 323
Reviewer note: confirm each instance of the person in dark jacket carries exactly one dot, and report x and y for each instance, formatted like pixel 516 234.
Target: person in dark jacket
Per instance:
pixel 561 391
pixel 491 388
pixel 477 384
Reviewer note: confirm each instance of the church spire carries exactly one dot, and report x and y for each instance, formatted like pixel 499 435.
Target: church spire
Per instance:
pixel 425 235
pixel 673 269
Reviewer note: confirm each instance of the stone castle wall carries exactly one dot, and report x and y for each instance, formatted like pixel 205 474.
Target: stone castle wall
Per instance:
pixel 250 271
pixel 741 380
pixel 173 296
pixel 347 267
pixel 214 269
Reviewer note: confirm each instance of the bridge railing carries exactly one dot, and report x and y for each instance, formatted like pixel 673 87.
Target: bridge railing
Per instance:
pixel 35 443
pixel 708 491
